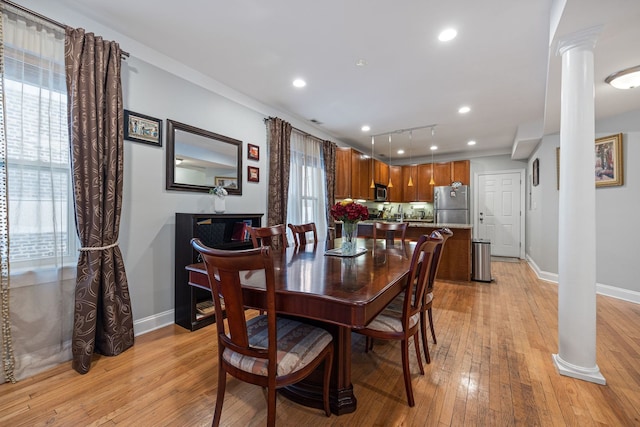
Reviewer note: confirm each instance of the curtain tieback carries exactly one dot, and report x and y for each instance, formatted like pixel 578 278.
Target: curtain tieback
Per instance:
pixel 99 248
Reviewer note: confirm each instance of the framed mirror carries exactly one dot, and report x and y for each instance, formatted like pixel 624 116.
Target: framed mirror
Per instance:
pixel 198 160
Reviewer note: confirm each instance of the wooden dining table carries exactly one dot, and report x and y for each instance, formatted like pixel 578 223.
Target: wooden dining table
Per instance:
pixel 335 292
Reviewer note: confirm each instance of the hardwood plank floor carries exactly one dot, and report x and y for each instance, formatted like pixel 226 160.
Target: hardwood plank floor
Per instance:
pixel 492 366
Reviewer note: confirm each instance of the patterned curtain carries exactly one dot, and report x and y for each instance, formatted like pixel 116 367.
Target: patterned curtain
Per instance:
pixel 8 358
pixel 278 140
pixel 329 155
pixel 103 320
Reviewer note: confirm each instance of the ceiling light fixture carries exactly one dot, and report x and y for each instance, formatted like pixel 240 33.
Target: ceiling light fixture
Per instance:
pixel 361 63
pixel 178 161
pixel 625 79
pixel 390 185
pixel 472 142
pixel 464 110
pixel 299 83
pixel 365 128
pixel 373 142
pixel 433 148
pixel 447 35
pixel 410 183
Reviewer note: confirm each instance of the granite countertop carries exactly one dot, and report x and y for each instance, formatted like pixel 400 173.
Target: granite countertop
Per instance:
pixel 423 223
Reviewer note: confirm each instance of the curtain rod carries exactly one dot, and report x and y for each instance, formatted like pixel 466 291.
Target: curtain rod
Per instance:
pixel 124 54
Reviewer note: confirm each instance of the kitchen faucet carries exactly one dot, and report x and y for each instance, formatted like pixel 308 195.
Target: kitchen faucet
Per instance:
pixel 401 213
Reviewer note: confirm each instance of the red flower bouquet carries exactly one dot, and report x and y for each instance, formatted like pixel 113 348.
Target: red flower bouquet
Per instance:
pixel 349 211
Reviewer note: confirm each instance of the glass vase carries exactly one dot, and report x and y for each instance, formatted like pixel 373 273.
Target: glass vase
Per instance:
pixel 349 238
pixel 219 204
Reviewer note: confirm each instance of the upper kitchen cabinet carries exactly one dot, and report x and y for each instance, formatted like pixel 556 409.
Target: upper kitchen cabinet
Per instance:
pixel 409 193
pixel 361 177
pixel 343 173
pixel 395 193
pixel 381 172
pixel 424 192
pixel 442 173
pixel 460 171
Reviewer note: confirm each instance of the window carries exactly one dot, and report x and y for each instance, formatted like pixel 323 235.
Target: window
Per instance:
pixel 307 183
pixel 41 219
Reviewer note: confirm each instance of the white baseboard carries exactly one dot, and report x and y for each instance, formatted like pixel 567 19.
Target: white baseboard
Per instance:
pixel 606 290
pixel 151 323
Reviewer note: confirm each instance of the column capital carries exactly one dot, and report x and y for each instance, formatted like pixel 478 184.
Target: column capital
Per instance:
pixel 580 39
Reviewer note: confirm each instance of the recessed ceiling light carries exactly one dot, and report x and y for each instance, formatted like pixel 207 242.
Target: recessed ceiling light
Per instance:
pixel 472 142
pixel 434 147
pixel 299 83
pixel 464 110
pixel 447 35
pixel 401 151
pixel 361 63
pixel 365 128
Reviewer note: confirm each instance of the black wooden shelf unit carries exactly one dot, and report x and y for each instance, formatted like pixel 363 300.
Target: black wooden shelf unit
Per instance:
pixel 193 308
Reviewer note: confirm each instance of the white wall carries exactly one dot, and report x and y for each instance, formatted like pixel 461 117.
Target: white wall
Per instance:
pixel 617 231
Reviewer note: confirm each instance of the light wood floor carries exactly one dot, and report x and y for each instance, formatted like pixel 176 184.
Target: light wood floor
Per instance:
pixel 492 366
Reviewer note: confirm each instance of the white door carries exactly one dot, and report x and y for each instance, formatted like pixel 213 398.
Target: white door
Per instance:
pixel 499 212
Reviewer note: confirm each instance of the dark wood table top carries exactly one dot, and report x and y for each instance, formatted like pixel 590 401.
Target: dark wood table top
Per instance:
pixel 347 291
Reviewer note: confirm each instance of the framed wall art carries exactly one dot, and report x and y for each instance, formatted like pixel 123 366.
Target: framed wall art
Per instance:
pixel 226 182
pixel 253 153
pixel 141 128
pixel 608 171
pixel 536 172
pixel 608 167
pixel 253 174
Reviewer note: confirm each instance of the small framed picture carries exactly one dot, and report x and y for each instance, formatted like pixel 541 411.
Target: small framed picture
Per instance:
pixel 226 182
pixel 254 174
pixel 536 172
pixel 141 128
pixel 253 153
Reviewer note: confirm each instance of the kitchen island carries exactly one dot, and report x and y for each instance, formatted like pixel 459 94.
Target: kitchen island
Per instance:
pixel 456 257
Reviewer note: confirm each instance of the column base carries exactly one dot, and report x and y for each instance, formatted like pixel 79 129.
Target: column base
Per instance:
pixel 586 374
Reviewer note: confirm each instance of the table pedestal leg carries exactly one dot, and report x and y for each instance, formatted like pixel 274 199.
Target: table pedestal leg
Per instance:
pixel 309 391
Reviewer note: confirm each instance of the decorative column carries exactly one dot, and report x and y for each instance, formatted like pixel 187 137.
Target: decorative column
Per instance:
pixel 577 212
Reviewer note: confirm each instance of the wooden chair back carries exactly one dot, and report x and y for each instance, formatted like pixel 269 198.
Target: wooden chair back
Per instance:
pixel 274 236
pixel 300 233
pixel 385 228
pixel 419 272
pixel 443 233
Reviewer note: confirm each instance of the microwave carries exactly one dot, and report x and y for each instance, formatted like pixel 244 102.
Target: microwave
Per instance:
pixel 380 193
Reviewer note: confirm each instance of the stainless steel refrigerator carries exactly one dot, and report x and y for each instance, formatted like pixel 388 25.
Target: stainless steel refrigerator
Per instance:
pixel 451 205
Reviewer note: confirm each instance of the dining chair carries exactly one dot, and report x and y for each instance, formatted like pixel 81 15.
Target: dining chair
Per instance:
pixel 274 236
pixel 300 233
pixel 401 325
pixel 264 350
pixel 390 228
pixel 445 234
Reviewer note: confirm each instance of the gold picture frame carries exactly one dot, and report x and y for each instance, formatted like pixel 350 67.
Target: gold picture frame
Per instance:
pixel 609 162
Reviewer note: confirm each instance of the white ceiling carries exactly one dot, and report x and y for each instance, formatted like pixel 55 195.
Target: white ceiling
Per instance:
pixel 502 64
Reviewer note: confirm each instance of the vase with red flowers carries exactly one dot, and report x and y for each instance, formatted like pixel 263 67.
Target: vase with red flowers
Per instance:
pixel 350 213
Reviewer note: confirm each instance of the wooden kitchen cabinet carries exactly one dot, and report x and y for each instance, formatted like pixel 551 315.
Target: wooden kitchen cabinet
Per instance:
pixel 442 173
pixel 409 194
pixel 424 193
pixel 381 172
pixel 343 173
pixel 360 176
pixel 395 194
pixel 460 171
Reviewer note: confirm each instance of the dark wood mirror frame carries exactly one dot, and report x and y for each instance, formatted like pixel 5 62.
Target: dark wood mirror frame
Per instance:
pixel 216 141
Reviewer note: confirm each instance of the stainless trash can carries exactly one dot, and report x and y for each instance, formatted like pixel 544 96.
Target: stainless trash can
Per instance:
pixel 481 260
